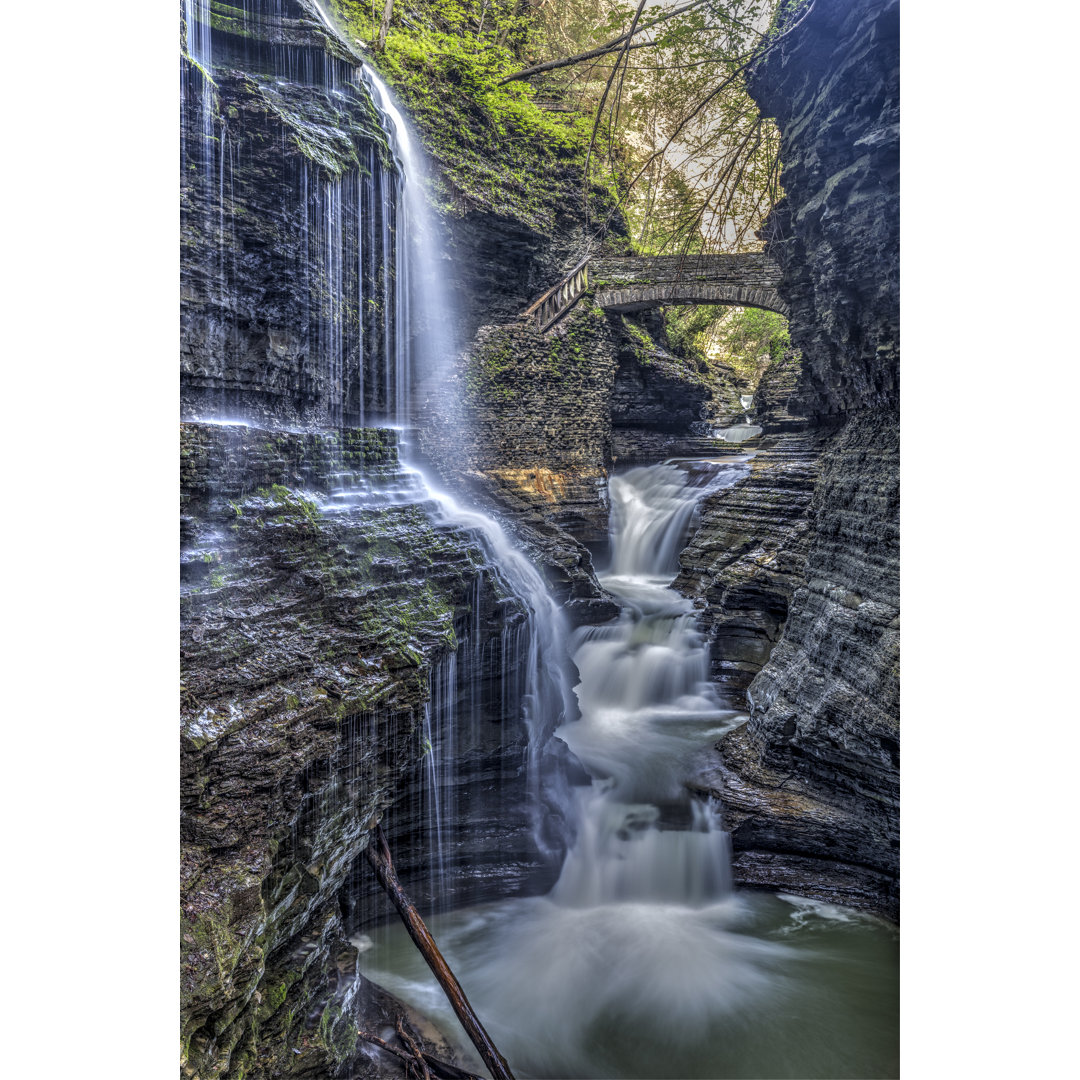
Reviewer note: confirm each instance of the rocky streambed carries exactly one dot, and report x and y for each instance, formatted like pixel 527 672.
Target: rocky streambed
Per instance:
pixel 357 648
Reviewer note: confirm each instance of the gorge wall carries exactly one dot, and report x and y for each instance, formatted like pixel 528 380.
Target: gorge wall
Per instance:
pixel 288 203
pixel 332 616
pixel 811 784
pixel 346 640
pixel 328 652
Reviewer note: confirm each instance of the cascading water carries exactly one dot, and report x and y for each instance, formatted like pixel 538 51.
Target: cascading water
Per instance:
pixel 642 961
pixel 528 656
pixel 645 703
pixel 363 300
pixel 426 307
pixel 311 331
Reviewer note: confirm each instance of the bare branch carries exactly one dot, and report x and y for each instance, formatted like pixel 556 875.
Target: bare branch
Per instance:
pixel 384 26
pixel 378 856
pixel 600 50
pixel 600 107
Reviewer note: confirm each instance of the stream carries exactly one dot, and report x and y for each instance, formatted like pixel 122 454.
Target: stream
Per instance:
pixel 643 961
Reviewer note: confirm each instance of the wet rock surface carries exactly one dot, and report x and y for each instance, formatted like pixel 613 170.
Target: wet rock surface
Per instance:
pixel 833 88
pixel 287 204
pixel 536 422
pixel 311 638
pixel 747 557
pixel 824 709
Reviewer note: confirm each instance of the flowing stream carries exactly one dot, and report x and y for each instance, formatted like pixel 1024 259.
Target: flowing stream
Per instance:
pixel 643 961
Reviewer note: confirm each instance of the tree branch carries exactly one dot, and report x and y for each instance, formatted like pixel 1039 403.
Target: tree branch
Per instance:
pixel 600 50
pixel 441 1068
pixel 600 107
pixel 378 855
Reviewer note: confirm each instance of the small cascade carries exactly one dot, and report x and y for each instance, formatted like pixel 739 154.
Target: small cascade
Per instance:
pixel 738 433
pixel 646 702
pixel 642 961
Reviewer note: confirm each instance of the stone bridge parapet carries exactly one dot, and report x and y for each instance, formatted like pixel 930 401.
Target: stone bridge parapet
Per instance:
pixel 635 283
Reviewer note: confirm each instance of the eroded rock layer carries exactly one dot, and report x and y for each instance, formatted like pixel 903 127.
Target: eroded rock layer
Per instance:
pixel 288 204
pixel 316 638
pixel 748 556
pixel 811 781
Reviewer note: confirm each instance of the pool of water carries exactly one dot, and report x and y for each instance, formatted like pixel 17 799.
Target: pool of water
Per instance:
pixel 755 985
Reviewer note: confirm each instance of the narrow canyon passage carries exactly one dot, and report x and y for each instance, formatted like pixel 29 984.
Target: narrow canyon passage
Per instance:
pixel 642 961
pixel 503 589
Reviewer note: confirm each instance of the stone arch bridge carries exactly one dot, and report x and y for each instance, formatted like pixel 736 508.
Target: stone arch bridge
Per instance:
pixel 636 283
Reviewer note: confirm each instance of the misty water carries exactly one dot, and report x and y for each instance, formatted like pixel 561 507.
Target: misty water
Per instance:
pixel 643 961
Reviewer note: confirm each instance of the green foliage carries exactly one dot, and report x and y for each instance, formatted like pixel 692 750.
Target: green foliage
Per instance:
pixel 745 339
pixel 495 145
pixel 705 168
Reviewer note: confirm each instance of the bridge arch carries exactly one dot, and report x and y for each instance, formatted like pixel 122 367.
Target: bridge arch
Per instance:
pixel 642 297
pixel 636 283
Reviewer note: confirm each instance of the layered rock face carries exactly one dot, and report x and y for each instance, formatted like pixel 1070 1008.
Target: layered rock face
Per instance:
pixel 810 784
pixel 288 204
pixel 319 645
pixel 747 557
pixel 547 416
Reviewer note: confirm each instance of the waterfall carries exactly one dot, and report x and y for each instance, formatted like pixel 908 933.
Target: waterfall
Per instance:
pixel 425 307
pixel 419 327
pixel 646 702
pixel 356 312
pixel 334 348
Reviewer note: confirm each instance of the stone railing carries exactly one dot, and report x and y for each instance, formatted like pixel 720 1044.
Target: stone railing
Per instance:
pixel 558 300
pixel 636 283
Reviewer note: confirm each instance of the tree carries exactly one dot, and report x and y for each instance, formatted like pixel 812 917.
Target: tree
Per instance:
pixel 706 163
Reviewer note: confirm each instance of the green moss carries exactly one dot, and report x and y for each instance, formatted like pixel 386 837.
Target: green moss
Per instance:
pixel 213 933
pixel 283 503
pixel 487 377
pixel 495 146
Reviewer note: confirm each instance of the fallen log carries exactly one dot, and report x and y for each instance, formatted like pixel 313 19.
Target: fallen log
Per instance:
pixel 442 1069
pixel 378 855
pixel 413 1047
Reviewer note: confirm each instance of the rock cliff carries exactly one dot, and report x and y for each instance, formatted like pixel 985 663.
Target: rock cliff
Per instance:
pixel 288 199
pixel 319 645
pixel 333 621
pixel 810 783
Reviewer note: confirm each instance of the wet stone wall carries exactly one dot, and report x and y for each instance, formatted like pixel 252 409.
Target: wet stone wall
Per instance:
pixel 323 604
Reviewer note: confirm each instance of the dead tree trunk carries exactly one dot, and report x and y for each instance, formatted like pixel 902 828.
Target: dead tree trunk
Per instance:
pixel 384 26
pixel 378 855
